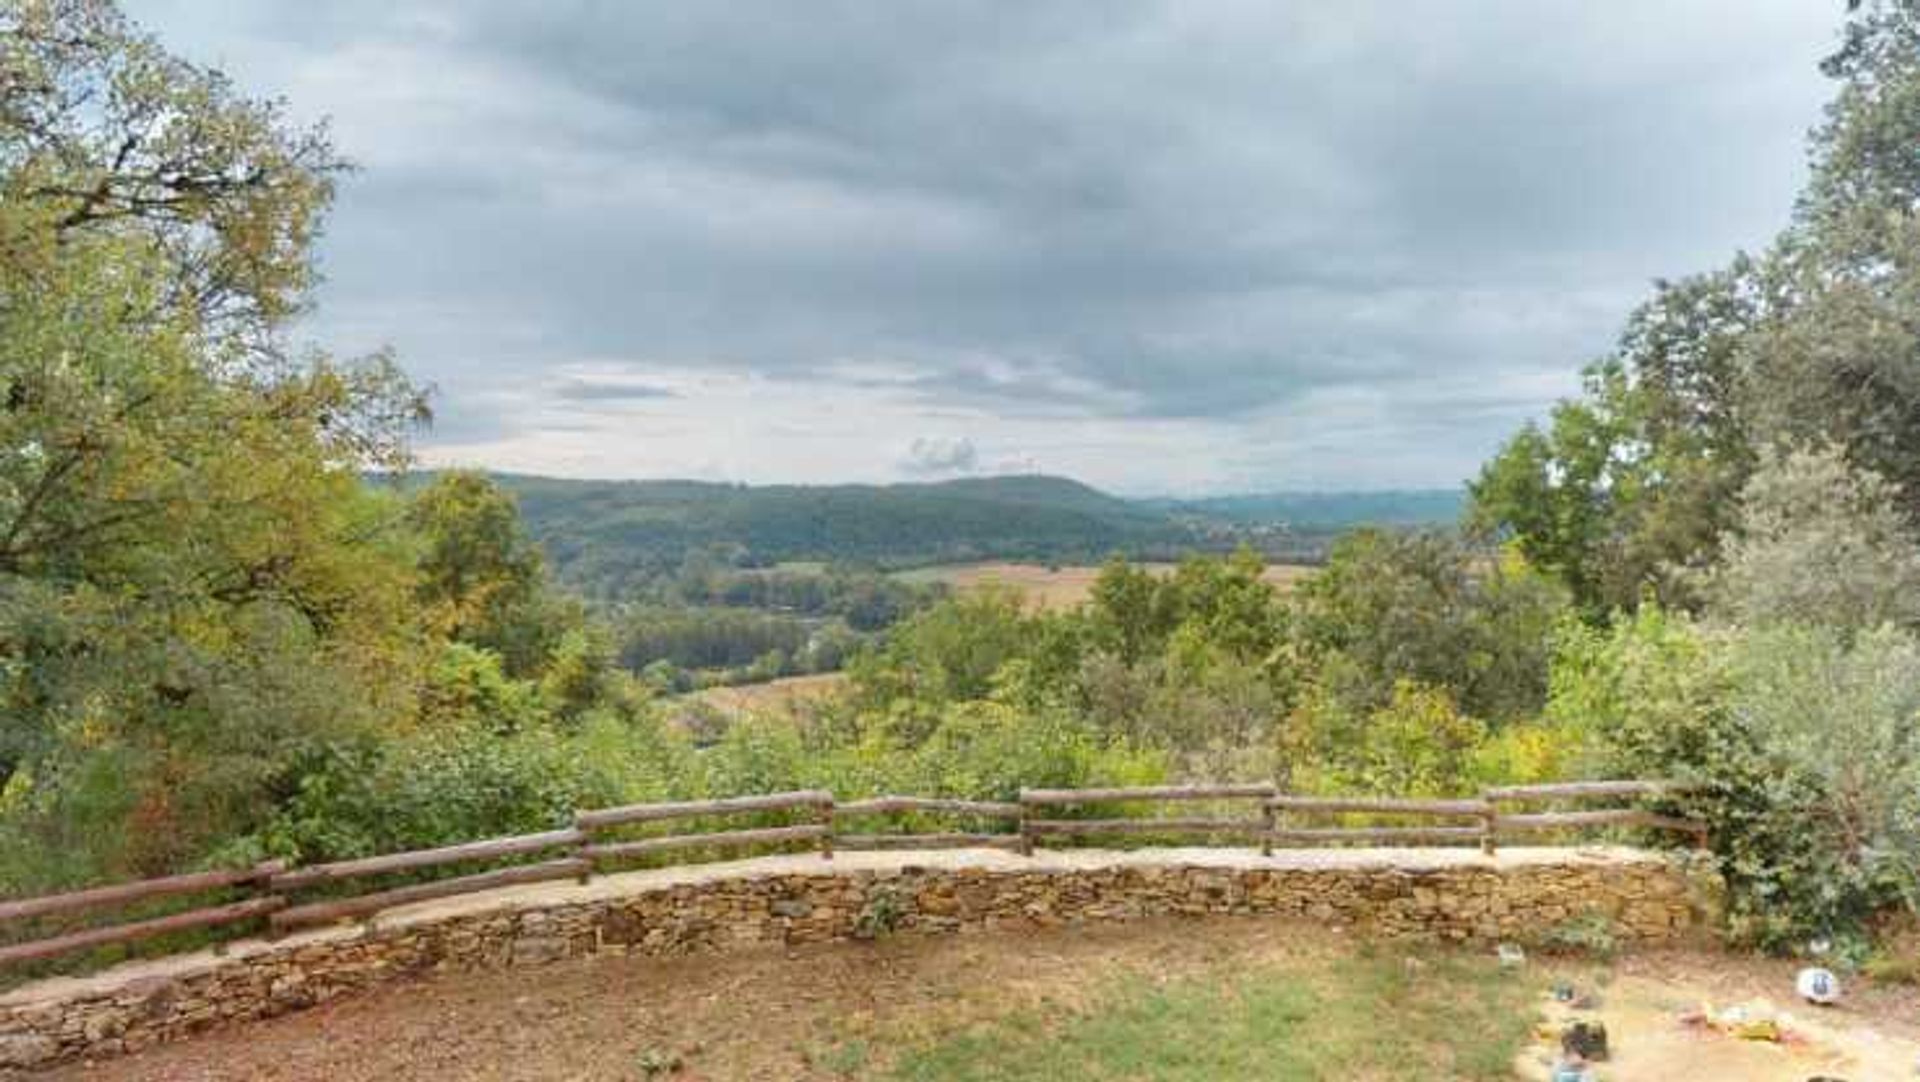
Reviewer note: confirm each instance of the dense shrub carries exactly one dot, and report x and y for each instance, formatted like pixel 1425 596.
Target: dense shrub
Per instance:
pixel 1418 744
pixel 948 653
pixel 465 782
pixel 988 751
pixel 707 638
pixel 1806 743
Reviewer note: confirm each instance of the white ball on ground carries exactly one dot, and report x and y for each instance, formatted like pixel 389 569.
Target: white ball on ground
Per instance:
pixel 1817 985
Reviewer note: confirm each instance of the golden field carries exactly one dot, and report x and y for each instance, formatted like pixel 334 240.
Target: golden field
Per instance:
pixel 1059 587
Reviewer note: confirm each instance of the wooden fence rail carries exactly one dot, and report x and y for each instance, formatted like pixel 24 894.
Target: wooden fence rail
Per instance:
pixel 818 801
pixel 145 929
pixel 936 840
pixel 690 809
pixel 577 852
pixel 1146 792
pixel 1470 809
pixel 887 805
pixel 1577 789
pixel 1481 833
pixel 1509 822
pixel 329 911
pixel 763 836
pixel 897 805
pixel 122 893
pixel 1260 829
pixel 491 849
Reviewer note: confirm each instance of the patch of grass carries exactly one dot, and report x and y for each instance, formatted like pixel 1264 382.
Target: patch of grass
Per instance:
pixel 657 1062
pixel 1590 935
pixel 1891 968
pixel 1381 1015
pixel 1895 954
pixel 841 1059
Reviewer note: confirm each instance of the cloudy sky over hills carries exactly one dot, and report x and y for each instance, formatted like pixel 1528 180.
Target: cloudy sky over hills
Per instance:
pixel 1164 247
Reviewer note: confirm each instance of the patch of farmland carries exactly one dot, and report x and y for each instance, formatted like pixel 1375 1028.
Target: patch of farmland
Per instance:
pixel 1064 586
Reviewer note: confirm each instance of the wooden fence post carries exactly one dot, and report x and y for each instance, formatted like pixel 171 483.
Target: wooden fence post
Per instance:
pixel 1487 825
pixel 1026 836
pixel 262 884
pixel 1269 822
pixel 579 849
pixel 823 813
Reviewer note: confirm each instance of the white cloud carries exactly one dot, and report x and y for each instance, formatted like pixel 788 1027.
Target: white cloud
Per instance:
pixel 935 456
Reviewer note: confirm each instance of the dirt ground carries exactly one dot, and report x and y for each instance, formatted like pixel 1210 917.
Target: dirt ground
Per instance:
pixel 772 1014
pixel 794 1014
pixel 1872 1036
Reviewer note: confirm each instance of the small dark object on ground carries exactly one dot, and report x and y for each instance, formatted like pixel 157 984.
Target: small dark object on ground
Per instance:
pixel 1565 992
pixel 1588 1040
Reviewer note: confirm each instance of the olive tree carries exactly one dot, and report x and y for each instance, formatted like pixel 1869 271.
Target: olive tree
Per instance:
pixel 1819 542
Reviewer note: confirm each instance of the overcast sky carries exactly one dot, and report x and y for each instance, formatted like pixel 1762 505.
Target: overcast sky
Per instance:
pixel 1174 247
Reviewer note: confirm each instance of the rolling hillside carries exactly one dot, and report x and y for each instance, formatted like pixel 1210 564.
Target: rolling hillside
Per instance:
pixel 599 533
pixel 604 537
pixel 1315 511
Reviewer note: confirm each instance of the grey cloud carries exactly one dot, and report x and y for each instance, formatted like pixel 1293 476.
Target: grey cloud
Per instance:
pixel 1157 210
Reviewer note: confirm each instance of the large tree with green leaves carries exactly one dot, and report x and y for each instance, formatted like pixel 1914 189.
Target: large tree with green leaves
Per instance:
pixel 1630 487
pixel 482 578
pixel 194 582
pixel 1390 608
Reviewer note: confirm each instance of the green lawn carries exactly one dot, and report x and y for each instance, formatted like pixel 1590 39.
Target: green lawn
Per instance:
pixel 1376 1015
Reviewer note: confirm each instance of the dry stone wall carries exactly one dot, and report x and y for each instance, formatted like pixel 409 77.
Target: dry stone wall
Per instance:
pixel 1451 895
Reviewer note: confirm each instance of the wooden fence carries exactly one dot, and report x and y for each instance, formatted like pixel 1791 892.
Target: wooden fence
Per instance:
pixel 1271 819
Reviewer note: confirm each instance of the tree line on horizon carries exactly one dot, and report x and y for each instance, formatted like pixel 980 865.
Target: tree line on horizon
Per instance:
pixel 613 540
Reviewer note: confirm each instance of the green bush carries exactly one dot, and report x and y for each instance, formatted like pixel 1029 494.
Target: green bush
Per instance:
pixel 1416 745
pixel 466 782
pixel 1804 742
pixel 758 754
pixel 947 653
pixel 1591 934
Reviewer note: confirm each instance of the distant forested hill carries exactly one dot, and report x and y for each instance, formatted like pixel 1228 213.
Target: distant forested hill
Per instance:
pixel 608 538
pixel 602 534
pixel 1314 511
